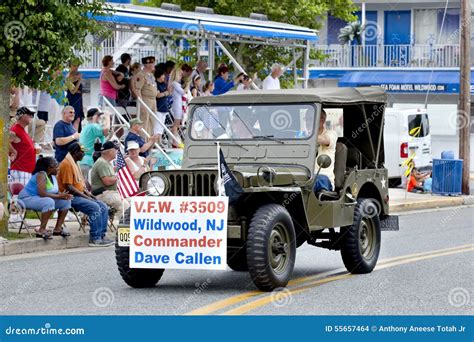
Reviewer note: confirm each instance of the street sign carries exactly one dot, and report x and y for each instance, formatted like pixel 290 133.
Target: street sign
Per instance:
pixel 178 232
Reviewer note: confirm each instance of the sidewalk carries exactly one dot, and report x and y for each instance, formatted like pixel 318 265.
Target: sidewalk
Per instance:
pixel 400 201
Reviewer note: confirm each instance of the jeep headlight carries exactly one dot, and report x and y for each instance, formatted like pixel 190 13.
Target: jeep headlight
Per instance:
pixel 156 186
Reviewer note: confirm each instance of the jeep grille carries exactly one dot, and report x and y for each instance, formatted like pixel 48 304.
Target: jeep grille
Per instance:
pixel 192 184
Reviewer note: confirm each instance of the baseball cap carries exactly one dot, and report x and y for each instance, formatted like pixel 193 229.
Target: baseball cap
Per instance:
pixel 93 111
pixel 136 121
pixel 108 145
pixel 24 110
pixel 132 145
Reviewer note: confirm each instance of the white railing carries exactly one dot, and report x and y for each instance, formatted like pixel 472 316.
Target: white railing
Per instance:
pixel 96 54
pixel 356 56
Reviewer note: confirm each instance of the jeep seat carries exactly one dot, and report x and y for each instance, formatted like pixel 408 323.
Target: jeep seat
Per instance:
pixel 339 174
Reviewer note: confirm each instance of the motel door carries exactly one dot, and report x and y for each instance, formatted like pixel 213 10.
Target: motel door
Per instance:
pixel 397 38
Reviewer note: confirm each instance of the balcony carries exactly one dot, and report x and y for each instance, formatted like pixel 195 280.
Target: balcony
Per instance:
pixel 390 56
pixel 96 54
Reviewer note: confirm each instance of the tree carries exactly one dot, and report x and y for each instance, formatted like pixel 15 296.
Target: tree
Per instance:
pixel 259 58
pixel 40 37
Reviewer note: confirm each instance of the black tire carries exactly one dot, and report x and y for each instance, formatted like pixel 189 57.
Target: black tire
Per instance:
pixel 360 242
pixel 237 260
pixel 135 277
pixel 271 227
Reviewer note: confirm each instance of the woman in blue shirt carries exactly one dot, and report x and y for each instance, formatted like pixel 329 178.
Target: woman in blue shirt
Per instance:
pixel 42 194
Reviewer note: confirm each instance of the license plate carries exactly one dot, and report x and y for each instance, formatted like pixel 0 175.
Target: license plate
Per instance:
pixel 123 236
pixel 390 223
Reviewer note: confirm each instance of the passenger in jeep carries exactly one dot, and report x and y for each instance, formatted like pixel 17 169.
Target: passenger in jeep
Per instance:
pixel 327 140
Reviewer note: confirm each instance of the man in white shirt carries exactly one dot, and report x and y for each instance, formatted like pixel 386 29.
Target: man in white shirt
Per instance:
pixel 272 81
pixel 327 140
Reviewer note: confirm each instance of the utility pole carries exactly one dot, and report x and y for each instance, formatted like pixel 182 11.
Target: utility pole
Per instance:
pixel 464 112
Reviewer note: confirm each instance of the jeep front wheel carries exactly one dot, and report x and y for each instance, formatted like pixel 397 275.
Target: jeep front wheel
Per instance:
pixel 360 242
pixel 135 277
pixel 271 247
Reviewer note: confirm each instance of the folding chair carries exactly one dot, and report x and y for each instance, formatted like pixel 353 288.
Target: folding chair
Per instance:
pixel 15 207
pixel 81 220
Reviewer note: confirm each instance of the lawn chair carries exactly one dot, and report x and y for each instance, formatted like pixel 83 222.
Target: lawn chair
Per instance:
pixel 15 207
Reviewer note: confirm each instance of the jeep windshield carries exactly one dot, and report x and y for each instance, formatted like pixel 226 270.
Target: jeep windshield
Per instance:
pixel 244 122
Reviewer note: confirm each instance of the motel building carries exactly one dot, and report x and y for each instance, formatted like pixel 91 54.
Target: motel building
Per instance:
pixel 409 47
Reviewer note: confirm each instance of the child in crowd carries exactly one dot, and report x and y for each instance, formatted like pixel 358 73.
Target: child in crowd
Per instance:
pixel 208 88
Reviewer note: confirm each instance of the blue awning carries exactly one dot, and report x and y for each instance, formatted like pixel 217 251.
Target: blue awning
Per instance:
pixel 406 81
pixel 205 23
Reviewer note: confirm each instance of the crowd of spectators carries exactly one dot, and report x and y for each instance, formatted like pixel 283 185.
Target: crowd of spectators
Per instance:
pixel 81 174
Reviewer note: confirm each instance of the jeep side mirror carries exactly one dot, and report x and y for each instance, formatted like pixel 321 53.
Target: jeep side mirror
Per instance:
pixel 324 161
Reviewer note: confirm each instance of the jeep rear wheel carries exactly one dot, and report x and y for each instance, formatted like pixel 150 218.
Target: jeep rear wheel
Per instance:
pixel 135 277
pixel 271 247
pixel 237 260
pixel 360 242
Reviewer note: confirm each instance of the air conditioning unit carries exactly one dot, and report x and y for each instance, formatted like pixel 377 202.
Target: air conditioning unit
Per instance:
pixel 258 16
pixel 170 7
pixel 205 10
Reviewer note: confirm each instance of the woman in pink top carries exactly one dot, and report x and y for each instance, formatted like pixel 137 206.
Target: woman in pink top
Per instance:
pixel 108 80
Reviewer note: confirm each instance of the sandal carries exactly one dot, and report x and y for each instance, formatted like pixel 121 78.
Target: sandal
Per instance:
pixel 61 233
pixel 45 236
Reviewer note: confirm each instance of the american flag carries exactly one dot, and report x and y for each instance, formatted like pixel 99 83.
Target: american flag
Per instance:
pixel 127 185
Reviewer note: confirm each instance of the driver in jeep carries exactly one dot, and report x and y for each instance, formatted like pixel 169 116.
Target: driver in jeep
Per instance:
pixel 327 140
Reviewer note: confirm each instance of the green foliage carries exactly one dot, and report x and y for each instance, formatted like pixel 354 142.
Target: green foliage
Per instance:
pixel 42 36
pixel 258 58
pixel 350 32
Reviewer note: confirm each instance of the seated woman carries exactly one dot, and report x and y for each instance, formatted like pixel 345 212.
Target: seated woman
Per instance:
pixel 42 194
pixel 135 163
pixel 414 185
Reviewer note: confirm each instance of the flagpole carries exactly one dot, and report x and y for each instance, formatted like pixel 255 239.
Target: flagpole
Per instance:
pixel 219 185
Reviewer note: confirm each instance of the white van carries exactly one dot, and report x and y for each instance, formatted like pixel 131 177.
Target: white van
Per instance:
pixel 406 133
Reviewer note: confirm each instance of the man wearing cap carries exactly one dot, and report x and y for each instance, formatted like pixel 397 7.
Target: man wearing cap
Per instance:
pixel 64 134
pixel 92 131
pixel 146 89
pixel 22 150
pixel 70 179
pixel 104 179
pixel 134 135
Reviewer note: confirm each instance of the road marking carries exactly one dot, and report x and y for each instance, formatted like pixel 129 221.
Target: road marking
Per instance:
pixel 269 298
pixel 381 262
pixel 327 277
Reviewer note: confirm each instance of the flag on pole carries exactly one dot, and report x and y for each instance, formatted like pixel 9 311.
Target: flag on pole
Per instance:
pixel 127 186
pixel 231 187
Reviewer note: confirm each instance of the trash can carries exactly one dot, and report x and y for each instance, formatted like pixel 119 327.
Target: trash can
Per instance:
pixel 447 176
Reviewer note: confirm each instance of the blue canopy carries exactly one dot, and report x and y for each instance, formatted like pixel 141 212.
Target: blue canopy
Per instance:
pixel 190 22
pixel 406 81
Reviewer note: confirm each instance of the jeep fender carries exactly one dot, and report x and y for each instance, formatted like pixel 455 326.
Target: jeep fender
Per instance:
pixel 290 198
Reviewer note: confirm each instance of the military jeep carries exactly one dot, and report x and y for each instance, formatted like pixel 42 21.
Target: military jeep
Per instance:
pixel 269 141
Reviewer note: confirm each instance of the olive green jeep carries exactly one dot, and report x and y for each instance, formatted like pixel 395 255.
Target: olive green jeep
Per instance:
pixel 269 141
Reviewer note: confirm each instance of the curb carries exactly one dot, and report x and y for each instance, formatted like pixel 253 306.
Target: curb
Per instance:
pixel 39 245
pixel 431 204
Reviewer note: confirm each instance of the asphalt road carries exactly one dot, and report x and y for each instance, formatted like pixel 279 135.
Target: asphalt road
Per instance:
pixel 425 268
